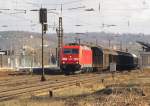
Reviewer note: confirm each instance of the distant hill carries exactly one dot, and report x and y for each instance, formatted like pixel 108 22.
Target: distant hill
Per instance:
pixel 17 39
pixel 127 40
pixel 25 47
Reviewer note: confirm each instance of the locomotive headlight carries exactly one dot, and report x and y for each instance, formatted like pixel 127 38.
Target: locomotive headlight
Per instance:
pixel 63 62
pixel 76 59
pixel 64 59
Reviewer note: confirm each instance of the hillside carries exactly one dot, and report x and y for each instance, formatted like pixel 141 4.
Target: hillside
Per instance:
pixel 17 39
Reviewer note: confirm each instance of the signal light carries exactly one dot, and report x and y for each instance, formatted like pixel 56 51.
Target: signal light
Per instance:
pixel 43 15
pixel 76 59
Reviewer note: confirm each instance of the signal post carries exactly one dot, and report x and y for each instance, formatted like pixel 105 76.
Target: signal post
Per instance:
pixel 43 21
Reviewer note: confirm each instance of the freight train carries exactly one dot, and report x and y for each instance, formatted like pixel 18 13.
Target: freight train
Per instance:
pixel 83 58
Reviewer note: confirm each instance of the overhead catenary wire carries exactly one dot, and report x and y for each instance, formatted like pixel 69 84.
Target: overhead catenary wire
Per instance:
pixel 87 24
pixel 72 18
pixel 14 14
pixel 100 4
pixel 62 3
pixel 19 17
pixel 75 1
pixel 76 8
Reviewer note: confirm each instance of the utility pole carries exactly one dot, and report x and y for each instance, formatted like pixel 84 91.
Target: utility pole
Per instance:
pixel 1 60
pixel 60 40
pixel 96 42
pixel 120 45
pixel 78 40
pixel 109 43
pixel 43 21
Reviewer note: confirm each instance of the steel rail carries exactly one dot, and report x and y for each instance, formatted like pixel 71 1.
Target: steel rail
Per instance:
pixel 12 94
pixel 43 83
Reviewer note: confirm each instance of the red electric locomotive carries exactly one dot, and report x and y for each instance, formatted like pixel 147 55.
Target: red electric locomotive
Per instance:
pixel 76 58
pixel 82 58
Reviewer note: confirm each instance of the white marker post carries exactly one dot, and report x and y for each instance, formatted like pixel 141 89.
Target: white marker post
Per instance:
pixel 113 69
pixel 1 57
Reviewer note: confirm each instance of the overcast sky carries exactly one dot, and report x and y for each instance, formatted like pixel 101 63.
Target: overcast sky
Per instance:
pixel 118 16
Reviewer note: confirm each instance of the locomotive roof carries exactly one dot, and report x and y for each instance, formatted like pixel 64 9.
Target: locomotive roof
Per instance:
pixel 103 49
pixel 124 53
pixel 76 44
pixel 106 51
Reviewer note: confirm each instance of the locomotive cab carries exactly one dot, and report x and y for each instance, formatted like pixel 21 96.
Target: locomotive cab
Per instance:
pixel 70 56
pixel 70 59
pixel 75 58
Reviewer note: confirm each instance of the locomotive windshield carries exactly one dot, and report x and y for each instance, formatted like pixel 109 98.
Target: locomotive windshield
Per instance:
pixel 71 51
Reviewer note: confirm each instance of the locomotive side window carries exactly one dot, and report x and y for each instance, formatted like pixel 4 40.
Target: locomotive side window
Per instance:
pixel 71 51
pixel 67 51
pixel 75 51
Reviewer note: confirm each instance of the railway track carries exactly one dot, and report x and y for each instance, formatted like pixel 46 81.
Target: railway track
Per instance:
pixel 53 79
pixel 6 78
pixel 46 86
pixel 17 80
pixel 29 80
pixel 52 83
pixel 26 80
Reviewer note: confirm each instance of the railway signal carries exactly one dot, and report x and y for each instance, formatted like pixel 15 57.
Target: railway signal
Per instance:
pixel 43 21
pixel 43 15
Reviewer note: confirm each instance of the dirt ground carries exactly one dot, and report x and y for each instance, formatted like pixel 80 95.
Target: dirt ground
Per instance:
pixel 124 89
pixel 4 74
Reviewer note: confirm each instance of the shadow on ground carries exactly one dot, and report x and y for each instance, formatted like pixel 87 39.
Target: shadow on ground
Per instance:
pixel 47 71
